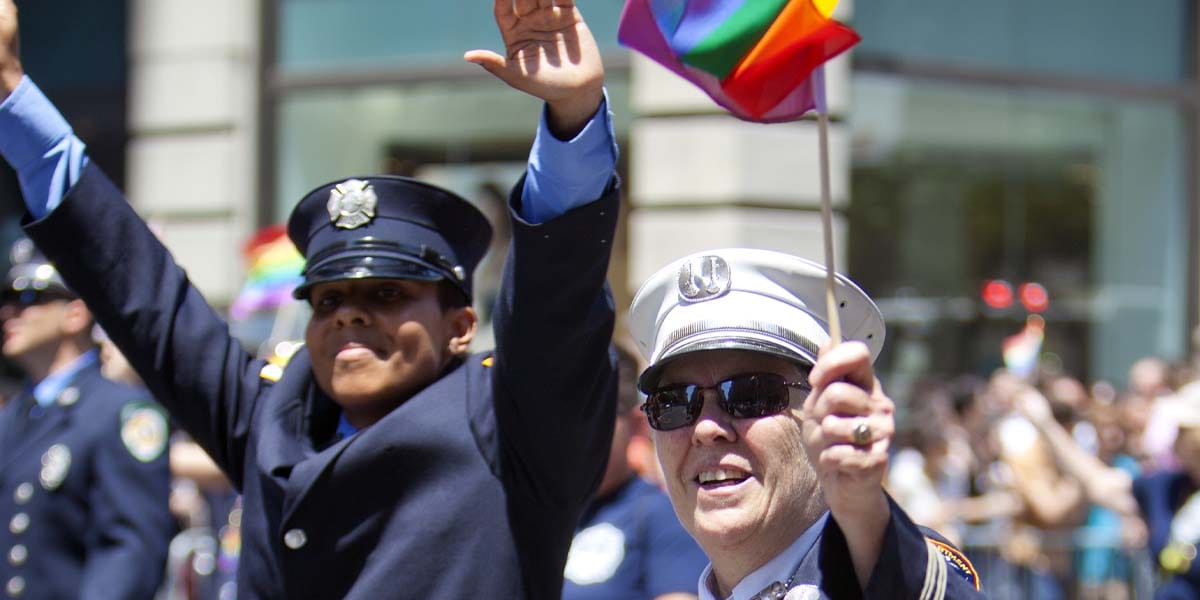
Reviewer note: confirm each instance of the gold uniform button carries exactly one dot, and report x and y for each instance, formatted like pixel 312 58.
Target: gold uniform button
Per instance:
pixel 24 493
pixel 17 555
pixel 19 523
pixel 15 586
pixel 295 539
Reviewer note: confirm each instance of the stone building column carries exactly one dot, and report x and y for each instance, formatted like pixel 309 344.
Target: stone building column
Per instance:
pixel 192 127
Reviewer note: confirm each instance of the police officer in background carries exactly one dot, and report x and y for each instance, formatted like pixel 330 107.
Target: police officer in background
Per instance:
pixel 83 468
pixel 774 458
pixel 384 461
pixel 629 545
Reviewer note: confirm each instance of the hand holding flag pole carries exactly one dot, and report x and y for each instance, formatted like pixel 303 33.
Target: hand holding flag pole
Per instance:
pixel 759 59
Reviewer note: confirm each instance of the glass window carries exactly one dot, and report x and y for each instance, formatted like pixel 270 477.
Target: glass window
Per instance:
pixel 469 136
pixel 329 133
pixel 956 185
pixel 1110 39
pixel 324 34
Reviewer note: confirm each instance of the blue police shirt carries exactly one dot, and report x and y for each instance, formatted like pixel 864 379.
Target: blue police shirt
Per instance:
pixel 630 546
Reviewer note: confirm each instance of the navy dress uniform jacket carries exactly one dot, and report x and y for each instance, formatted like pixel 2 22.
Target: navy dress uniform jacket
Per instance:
pixel 1159 497
pixel 469 489
pixel 82 516
pixel 915 563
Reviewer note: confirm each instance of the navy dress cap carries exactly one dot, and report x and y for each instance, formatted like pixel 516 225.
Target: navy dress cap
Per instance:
pixel 387 227
pixel 32 273
pixel 745 299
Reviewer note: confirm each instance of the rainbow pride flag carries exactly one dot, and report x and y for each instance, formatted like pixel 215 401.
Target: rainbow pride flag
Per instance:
pixel 760 59
pixel 274 267
pixel 1022 350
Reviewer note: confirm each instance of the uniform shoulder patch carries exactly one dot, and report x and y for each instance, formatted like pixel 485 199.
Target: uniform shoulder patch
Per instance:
pixel 956 561
pixel 144 430
pixel 489 361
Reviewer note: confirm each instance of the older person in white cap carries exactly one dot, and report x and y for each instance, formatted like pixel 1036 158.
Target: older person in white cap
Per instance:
pixel 774 442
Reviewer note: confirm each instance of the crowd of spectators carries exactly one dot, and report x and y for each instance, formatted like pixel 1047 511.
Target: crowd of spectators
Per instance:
pixel 1037 479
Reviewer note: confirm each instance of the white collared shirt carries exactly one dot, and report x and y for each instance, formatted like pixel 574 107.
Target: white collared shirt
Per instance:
pixel 778 569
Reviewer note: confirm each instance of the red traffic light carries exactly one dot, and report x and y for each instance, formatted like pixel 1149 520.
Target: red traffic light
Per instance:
pixel 1034 297
pixel 997 293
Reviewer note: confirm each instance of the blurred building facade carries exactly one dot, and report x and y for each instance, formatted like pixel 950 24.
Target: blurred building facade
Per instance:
pixel 1018 141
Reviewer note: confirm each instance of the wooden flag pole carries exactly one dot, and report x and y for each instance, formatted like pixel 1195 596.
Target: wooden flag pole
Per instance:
pixel 831 305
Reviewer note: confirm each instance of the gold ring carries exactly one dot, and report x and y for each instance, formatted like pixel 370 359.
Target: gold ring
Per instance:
pixel 861 434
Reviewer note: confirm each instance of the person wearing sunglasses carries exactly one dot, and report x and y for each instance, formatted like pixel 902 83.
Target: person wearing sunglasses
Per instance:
pixel 83 467
pixel 386 459
pixel 772 441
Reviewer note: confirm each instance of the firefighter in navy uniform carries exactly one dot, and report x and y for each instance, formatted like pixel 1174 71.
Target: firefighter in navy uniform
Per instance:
pixel 384 461
pixel 83 468
pixel 773 443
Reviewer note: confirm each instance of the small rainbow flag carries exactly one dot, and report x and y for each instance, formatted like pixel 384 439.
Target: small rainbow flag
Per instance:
pixel 760 59
pixel 1022 350
pixel 274 267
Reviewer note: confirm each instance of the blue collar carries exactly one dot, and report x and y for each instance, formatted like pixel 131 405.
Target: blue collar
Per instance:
pixel 778 569
pixel 47 390
pixel 345 429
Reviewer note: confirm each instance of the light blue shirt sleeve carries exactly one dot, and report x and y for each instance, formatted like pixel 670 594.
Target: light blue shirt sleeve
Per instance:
pixel 564 175
pixel 39 143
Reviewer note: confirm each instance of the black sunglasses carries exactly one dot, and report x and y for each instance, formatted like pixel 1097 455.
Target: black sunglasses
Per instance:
pixel 32 297
pixel 752 395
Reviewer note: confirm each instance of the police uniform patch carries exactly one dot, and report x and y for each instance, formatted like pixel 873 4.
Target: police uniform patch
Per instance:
pixel 143 431
pixel 595 555
pixel 56 462
pixel 957 562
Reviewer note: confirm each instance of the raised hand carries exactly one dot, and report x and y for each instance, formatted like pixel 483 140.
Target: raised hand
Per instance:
pixel 10 51
pixel 549 54
pixel 851 465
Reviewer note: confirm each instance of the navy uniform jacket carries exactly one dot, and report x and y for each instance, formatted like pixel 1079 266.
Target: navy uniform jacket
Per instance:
pixel 915 563
pixel 1159 496
pixel 469 489
pixel 82 516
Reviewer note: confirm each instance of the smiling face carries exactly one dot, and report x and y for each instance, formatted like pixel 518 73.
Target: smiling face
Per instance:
pixel 376 342
pixel 741 487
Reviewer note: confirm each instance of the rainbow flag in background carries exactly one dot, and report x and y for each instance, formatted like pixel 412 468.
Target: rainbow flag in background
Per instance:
pixel 760 59
pixel 1022 350
pixel 274 267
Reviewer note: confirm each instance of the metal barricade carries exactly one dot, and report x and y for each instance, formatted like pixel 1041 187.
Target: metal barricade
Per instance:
pixel 1081 564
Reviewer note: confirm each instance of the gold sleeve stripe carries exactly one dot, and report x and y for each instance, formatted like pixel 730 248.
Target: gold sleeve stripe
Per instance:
pixel 935 573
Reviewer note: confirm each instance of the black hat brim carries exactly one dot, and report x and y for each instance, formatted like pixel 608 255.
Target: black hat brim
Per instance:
pixel 365 267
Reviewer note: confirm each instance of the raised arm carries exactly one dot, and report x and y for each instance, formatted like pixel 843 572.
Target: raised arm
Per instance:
pixel 846 394
pixel 553 379
pixel 178 344
pixel 891 556
pixel 1106 486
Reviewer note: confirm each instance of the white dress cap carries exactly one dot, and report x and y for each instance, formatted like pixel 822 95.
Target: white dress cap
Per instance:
pixel 745 299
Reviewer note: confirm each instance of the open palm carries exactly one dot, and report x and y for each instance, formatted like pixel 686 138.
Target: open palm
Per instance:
pixel 549 52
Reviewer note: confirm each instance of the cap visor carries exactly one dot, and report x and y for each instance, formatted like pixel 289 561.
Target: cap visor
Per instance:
pixel 649 378
pixel 365 267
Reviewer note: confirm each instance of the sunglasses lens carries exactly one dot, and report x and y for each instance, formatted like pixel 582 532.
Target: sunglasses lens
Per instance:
pixel 753 396
pixel 671 408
